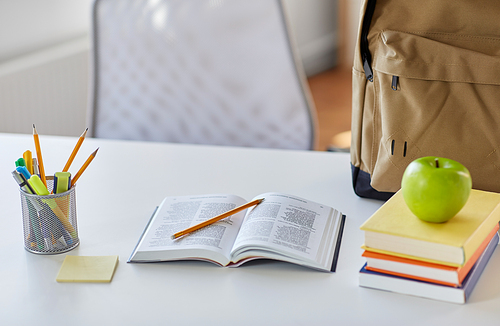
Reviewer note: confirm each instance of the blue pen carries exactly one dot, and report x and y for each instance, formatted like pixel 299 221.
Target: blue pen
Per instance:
pixel 24 171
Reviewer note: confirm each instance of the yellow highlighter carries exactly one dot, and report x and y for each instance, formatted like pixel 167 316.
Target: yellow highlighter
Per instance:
pixel 41 190
pixel 37 184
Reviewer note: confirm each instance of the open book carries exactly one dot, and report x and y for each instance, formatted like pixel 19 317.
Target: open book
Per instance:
pixel 282 227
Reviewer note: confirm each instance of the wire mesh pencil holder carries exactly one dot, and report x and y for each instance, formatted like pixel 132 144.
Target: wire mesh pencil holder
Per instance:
pixel 49 222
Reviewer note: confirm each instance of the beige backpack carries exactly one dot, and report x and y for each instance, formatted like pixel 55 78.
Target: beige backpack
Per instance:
pixel 426 81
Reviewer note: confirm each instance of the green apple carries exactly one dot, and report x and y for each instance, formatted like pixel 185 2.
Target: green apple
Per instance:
pixel 435 188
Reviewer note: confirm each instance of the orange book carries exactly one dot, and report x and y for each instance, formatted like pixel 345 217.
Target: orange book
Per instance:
pixel 423 270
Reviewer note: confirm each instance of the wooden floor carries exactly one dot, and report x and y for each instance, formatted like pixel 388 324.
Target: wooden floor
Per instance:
pixel 331 91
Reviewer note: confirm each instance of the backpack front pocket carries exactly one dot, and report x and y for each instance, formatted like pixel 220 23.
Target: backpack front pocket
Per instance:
pixel 436 94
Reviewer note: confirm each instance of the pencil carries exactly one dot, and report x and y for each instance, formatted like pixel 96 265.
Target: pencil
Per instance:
pixel 217 218
pixel 75 150
pixel 84 166
pixel 39 156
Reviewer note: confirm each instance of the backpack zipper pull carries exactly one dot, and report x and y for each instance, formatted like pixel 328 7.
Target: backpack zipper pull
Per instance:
pixel 394 85
pixel 367 68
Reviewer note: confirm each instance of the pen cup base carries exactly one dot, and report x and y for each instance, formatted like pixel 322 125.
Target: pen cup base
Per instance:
pixel 53 252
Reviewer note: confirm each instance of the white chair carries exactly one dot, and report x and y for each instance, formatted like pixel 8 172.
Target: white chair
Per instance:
pixel 221 72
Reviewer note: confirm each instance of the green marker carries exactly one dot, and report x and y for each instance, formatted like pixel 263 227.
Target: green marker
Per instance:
pixel 20 162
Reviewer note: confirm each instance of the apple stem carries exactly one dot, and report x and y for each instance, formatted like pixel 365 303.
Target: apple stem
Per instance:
pixel 437 163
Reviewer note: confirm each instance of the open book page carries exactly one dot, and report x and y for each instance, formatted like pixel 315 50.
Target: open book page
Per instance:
pixel 175 214
pixel 288 228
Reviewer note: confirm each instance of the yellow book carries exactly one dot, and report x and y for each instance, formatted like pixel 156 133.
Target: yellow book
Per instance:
pixel 394 228
pixel 98 269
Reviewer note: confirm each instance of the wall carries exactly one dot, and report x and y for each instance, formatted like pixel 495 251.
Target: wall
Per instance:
pixel 44 65
pixel 349 11
pixel 315 27
pixel 44 53
pixel 30 25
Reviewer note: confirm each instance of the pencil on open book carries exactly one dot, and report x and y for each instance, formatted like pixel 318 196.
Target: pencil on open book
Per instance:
pixel 217 218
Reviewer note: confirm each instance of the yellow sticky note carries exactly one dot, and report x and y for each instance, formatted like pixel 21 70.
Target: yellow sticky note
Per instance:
pixel 97 269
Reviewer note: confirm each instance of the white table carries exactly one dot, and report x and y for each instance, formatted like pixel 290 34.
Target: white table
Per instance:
pixel 118 193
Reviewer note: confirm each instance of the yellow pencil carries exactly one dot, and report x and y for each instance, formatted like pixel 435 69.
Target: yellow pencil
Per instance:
pixel 39 156
pixel 217 218
pixel 75 150
pixel 84 166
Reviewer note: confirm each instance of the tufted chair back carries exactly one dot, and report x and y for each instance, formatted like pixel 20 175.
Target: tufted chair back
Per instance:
pixel 221 72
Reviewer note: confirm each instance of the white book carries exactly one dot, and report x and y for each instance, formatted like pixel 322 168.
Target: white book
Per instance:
pixel 282 227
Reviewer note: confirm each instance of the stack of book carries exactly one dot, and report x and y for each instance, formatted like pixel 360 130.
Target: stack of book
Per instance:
pixel 441 261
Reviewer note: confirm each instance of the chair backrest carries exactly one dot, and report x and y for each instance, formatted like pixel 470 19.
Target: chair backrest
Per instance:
pixel 221 72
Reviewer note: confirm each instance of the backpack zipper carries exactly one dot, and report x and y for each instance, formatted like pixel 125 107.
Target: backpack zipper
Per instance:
pixel 365 52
